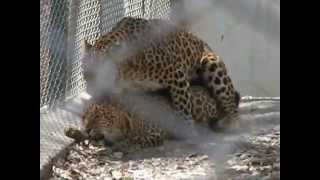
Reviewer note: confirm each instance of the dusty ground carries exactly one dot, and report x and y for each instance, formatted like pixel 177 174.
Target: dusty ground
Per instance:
pixel 252 153
pixel 255 157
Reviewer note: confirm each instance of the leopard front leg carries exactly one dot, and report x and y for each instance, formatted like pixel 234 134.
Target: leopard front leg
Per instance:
pixel 76 134
pixel 136 142
pixel 218 81
pixel 148 140
pixel 181 97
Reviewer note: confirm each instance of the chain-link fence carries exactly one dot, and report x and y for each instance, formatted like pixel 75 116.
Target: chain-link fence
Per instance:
pixel 63 25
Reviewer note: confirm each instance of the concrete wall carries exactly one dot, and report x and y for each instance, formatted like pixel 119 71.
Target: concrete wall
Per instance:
pixel 246 33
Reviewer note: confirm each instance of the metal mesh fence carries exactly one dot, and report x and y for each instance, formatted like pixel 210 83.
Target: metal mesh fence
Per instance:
pixel 63 25
pixel 53 46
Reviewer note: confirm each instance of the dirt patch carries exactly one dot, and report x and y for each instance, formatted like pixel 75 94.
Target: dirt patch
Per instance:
pixel 252 156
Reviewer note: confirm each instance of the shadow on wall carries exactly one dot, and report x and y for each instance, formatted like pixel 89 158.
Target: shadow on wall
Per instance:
pixel 246 34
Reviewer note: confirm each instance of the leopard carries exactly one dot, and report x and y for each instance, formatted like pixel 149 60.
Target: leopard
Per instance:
pixel 109 120
pixel 120 129
pixel 154 54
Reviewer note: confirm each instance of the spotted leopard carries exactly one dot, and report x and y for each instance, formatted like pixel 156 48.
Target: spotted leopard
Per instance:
pixel 107 120
pixel 163 56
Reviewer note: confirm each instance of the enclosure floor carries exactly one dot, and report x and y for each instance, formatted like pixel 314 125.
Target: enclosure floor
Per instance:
pixel 251 153
pixel 52 124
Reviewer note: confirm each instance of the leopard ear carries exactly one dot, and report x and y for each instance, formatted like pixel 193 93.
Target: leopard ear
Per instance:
pixel 85 49
pixel 87 45
pixel 86 59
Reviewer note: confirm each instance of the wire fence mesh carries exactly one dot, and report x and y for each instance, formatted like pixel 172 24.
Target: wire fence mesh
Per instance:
pixel 63 25
pixel 53 46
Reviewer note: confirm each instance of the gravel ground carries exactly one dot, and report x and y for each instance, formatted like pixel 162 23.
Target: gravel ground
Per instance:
pixel 251 153
pixel 258 157
pixel 252 156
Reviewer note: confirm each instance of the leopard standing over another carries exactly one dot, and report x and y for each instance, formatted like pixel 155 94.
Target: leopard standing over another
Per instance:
pixel 163 56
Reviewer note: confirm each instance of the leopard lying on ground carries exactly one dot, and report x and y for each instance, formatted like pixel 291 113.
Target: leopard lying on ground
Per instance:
pixel 109 120
pixel 163 56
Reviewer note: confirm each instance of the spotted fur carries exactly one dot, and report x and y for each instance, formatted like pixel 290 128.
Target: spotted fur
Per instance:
pixel 164 56
pixel 108 119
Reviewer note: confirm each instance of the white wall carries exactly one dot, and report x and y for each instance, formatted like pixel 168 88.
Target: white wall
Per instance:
pixel 251 43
